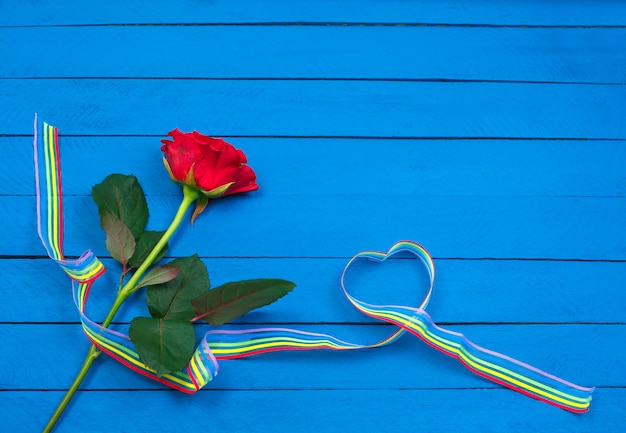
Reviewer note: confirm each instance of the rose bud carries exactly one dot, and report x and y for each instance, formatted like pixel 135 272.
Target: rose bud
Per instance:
pixel 209 164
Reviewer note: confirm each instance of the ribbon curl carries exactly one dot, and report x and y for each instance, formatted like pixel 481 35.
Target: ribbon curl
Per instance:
pixel 227 344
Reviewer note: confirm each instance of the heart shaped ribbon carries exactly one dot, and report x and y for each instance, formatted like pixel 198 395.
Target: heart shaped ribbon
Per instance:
pixel 228 344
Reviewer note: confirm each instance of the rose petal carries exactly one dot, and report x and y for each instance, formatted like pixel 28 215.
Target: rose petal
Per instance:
pixel 217 168
pixel 181 153
pixel 245 180
pixel 209 164
pixel 201 138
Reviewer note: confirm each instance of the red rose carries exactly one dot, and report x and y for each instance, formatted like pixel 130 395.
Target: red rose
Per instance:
pixel 208 164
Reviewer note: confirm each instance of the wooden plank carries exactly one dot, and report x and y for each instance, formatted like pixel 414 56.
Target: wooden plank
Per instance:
pixel 333 226
pixel 561 200
pixel 490 411
pixel 517 12
pixel 565 350
pixel 421 53
pixel 466 291
pixel 316 108
pixel 383 167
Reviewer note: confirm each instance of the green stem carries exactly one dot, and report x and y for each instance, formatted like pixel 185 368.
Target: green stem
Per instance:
pixel 189 196
pixel 91 357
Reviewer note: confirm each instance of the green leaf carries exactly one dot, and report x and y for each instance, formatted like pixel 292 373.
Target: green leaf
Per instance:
pixel 120 242
pixel 165 346
pixel 145 244
pixel 232 300
pixel 159 275
pixel 122 196
pixel 172 300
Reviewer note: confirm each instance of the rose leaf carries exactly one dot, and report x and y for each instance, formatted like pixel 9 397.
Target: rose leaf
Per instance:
pixel 165 346
pixel 159 275
pixel 120 242
pixel 145 244
pixel 232 300
pixel 172 300
pixel 123 197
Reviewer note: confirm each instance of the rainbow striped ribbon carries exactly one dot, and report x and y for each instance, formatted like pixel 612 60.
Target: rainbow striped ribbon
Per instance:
pixel 228 344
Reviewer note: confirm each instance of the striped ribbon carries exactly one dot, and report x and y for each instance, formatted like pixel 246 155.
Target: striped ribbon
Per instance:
pixel 228 344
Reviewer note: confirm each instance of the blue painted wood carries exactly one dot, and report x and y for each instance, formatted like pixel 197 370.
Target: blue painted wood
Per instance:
pixel 428 53
pixel 342 225
pixel 544 168
pixel 355 410
pixel 466 291
pixel 455 12
pixel 408 364
pixel 317 108
pixel 508 166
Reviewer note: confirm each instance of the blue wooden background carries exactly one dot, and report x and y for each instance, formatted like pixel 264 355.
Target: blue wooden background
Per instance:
pixel 494 133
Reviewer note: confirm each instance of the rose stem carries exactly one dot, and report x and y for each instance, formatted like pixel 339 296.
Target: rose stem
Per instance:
pixel 189 196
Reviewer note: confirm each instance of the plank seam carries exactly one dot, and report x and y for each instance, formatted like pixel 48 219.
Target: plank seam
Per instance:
pixel 331 24
pixel 468 259
pixel 366 79
pixel 343 137
pixel 477 388
pixel 372 324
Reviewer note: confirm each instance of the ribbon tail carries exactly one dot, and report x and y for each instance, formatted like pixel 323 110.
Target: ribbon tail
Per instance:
pixel 501 369
pixel 494 366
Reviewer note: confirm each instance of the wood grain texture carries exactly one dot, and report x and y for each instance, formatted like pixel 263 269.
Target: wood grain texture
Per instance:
pixel 320 108
pixel 342 225
pixel 466 291
pixel 428 53
pixel 542 168
pixel 330 410
pixel 447 12
pixel 408 364
pixel 490 132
